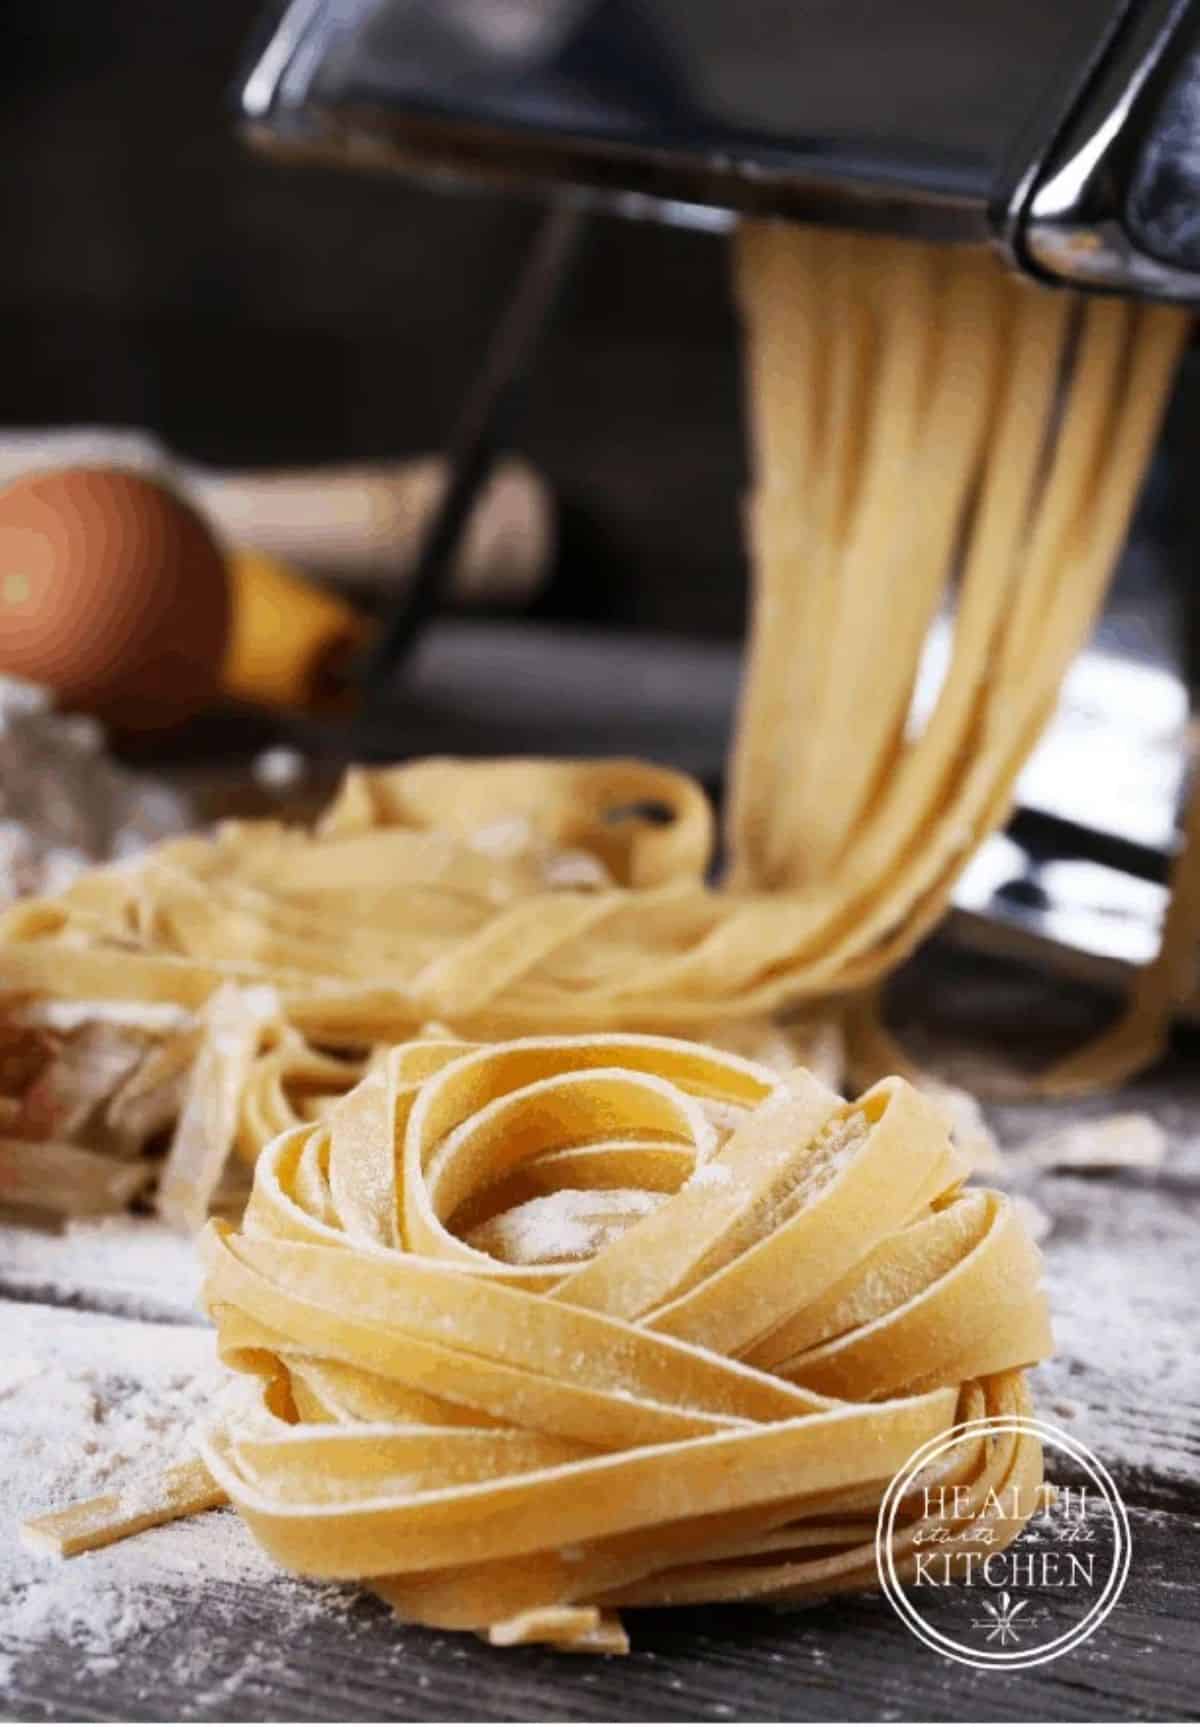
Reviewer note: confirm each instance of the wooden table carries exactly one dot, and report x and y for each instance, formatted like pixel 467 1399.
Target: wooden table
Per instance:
pixel 205 1629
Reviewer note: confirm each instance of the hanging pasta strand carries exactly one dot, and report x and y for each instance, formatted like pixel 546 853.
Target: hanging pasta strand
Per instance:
pixel 895 576
pixel 540 1313
pixel 780 516
pixel 930 435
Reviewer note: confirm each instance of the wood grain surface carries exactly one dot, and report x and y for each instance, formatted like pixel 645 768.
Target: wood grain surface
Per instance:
pixel 1121 1258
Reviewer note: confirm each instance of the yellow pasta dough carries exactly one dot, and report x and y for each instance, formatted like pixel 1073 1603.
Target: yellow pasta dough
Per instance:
pixel 929 433
pixel 541 1312
pixel 731 1307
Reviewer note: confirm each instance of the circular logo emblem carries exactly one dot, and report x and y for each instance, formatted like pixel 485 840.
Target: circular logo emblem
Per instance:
pixel 945 1570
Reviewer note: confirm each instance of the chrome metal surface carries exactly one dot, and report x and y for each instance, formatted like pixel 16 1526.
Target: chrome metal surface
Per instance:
pixel 1080 225
pixel 1064 132
pixel 913 118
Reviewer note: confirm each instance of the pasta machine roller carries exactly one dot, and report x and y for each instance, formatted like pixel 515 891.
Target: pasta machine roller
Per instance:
pixel 1065 135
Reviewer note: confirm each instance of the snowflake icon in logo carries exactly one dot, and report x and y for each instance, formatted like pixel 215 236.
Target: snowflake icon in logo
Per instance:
pixel 999 1623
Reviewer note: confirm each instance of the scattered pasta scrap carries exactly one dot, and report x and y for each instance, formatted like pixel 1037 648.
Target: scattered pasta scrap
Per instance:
pixel 531 1331
pixel 232 1027
pixel 1127 1140
pixel 47 1177
pixel 930 436
pixel 72 1135
pixel 205 997
pixel 90 1523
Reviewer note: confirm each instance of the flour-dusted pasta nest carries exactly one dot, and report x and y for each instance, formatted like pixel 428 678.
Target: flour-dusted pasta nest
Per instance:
pixel 932 439
pixel 541 1329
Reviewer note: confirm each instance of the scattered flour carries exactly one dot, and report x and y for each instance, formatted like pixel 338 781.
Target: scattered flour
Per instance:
pixel 574 869
pixel 139 1265
pixel 1036 1219
pixel 725 1117
pixel 833 1148
pixel 64 802
pixel 506 838
pixel 279 769
pixel 89 1403
pixel 17 1370
pixel 569 1224
pixel 967 1123
pixel 1130 1140
pixel 514 839
pixel 1119 1274
pixel 1125 1361
pixel 94 1405
pixel 711 1175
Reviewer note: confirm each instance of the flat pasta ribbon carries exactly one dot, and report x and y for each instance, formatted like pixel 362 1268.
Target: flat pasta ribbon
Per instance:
pixel 539 1329
pixel 932 440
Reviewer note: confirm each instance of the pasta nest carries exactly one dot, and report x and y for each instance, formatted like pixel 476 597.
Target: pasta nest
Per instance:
pixel 540 1329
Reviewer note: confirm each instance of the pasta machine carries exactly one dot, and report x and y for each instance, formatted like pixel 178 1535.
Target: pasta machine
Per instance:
pixel 1066 136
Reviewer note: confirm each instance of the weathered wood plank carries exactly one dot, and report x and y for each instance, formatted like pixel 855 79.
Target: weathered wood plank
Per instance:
pixel 130 1267
pixel 194 1623
pixel 246 1650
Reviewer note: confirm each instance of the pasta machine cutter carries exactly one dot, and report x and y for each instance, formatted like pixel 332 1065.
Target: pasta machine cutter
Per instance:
pixel 1064 135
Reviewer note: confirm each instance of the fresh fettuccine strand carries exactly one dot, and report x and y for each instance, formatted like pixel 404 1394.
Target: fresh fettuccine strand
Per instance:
pixel 535 1330
pixel 975 425
pixel 930 437
pixel 1000 437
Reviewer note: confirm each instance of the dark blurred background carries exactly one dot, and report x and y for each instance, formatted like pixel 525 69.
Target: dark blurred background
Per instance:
pixel 159 275
pixel 251 314
pixel 254 315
